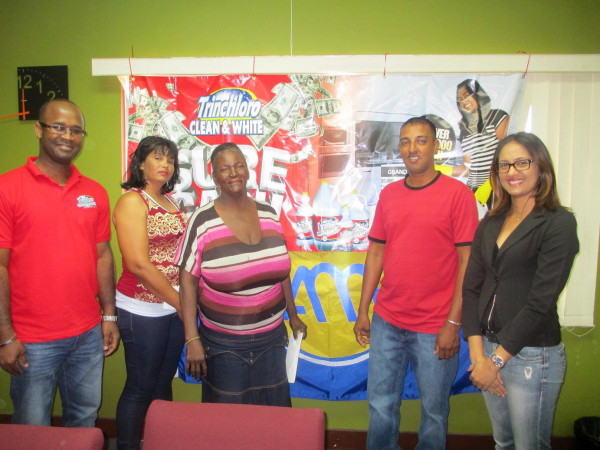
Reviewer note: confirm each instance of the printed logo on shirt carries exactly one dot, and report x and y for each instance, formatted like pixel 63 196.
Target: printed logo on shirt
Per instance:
pixel 85 201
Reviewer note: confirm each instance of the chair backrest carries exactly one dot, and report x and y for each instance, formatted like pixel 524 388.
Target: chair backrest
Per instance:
pixel 28 437
pixel 179 425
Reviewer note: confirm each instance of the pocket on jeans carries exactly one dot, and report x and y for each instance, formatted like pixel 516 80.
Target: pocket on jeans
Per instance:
pixel 531 354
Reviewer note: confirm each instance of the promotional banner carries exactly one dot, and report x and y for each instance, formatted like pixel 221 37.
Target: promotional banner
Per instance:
pixel 319 150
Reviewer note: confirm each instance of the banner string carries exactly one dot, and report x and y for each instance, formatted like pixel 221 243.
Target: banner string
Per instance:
pixel 131 77
pixel 528 60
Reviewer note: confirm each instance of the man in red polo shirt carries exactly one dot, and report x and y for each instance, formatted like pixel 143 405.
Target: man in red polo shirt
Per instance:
pixel 421 242
pixel 55 259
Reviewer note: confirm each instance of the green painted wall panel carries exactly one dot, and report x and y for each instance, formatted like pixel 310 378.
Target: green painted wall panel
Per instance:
pixel 72 32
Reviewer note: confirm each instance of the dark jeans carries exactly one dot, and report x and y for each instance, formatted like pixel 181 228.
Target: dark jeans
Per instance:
pixel 152 349
pixel 247 369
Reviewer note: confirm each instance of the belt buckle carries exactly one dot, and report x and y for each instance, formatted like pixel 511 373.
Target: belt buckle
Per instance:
pixel 490 336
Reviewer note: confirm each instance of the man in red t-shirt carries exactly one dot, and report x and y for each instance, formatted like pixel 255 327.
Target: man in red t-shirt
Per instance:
pixel 421 241
pixel 55 259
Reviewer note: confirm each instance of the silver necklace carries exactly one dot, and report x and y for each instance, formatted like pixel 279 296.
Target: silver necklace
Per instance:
pixel 523 209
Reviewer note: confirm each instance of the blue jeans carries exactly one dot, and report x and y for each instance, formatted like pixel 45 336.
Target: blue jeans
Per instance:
pixel 152 349
pixel 75 365
pixel 533 378
pixel 392 348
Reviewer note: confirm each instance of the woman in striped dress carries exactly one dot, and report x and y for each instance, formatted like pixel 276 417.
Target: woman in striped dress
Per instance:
pixel 234 273
pixel 481 129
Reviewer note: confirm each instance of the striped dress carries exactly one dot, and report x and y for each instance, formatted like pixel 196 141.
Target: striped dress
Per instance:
pixel 480 147
pixel 239 285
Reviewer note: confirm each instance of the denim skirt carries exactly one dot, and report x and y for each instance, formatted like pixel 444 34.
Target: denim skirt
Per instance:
pixel 247 369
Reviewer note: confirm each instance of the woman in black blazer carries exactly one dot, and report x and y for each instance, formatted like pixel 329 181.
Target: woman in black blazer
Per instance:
pixel 520 261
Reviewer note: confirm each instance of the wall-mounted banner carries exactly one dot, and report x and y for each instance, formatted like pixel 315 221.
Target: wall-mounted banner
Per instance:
pixel 320 149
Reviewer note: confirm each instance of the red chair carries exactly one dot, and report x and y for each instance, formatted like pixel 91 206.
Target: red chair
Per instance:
pixel 178 425
pixel 28 437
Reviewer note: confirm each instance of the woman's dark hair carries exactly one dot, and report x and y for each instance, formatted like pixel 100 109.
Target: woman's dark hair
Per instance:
pixel 227 146
pixel 546 195
pixel 146 146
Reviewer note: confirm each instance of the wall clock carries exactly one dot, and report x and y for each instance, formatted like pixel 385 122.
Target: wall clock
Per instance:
pixel 37 85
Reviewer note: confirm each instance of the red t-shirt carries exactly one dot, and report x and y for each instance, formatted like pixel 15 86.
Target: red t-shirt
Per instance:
pixel 421 228
pixel 52 232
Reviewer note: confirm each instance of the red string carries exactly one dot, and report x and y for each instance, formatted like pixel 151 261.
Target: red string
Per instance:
pixel 528 60
pixel 130 70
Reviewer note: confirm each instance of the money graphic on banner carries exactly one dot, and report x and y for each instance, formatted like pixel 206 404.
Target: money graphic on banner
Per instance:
pixel 273 114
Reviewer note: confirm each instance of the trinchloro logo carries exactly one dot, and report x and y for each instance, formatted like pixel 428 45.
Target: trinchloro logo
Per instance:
pixel 228 111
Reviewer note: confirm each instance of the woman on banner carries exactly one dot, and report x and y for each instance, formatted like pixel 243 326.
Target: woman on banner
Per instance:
pixel 234 273
pixel 149 225
pixel 520 261
pixel 481 128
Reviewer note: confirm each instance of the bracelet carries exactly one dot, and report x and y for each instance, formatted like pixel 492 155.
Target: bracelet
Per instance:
pixel 110 318
pixel 458 324
pixel 192 339
pixel 10 341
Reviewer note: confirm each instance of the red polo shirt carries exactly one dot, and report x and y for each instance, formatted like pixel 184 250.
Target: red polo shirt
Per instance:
pixel 52 232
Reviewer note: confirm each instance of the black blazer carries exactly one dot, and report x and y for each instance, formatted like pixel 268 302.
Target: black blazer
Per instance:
pixel 530 271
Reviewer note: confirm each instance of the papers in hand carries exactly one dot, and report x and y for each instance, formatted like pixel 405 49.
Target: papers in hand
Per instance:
pixel 291 359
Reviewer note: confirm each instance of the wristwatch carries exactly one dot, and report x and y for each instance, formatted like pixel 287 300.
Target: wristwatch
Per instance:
pixel 110 318
pixel 497 360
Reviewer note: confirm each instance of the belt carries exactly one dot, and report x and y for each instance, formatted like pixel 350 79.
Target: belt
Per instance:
pixel 490 335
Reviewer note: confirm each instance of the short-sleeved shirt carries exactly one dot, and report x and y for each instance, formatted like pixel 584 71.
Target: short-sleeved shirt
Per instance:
pixel 421 228
pixel 52 232
pixel 239 284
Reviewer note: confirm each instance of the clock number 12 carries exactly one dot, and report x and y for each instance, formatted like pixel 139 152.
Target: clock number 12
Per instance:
pixel 25 82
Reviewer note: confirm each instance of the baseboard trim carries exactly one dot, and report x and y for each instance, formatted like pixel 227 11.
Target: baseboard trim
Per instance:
pixel 357 439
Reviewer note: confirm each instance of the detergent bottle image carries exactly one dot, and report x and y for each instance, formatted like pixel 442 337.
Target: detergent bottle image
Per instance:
pixel 304 224
pixel 327 213
pixel 344 243
pixel 360 221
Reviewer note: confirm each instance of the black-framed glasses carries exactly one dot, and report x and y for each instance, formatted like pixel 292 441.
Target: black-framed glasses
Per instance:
pixel 521 165
pixel 61 129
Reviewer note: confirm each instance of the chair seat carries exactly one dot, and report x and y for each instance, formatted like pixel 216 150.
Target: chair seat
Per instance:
pixel 179 425
pixel 28 437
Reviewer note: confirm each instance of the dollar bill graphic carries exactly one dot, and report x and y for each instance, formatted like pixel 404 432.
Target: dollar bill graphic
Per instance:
pixel 135 132
pixel 306 127
pixel 326 107
pixel 274 113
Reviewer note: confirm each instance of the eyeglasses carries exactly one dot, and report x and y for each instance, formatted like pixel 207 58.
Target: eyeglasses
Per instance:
pixel 61 129
pixel 520 165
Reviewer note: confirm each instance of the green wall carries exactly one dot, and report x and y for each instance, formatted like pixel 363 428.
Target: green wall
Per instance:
pixel 34 33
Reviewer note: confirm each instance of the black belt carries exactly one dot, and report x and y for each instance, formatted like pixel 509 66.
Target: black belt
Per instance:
pixel 490 335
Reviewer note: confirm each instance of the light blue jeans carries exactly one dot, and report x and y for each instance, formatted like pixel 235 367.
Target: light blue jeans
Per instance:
pixel 523 419
pixel 392 349
pixel 75 365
